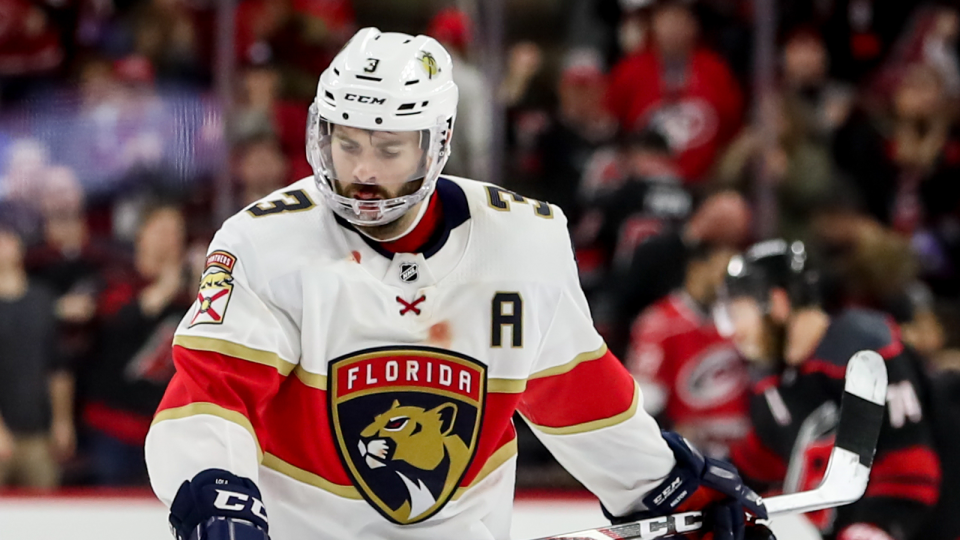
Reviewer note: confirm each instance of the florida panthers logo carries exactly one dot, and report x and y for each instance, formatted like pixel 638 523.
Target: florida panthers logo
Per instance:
pixel 216 286
pixel 407 423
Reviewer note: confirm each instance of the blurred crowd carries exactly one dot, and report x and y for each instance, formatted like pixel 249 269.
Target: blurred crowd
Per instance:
pixel 641 119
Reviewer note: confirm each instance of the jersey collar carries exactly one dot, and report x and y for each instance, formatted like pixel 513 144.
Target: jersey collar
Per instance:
pixel 439 257
pixel 455 211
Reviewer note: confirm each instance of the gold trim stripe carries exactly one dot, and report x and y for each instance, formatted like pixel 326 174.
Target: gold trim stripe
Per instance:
pixel 271 461
pixel 494 462
pixel 506 386
pixel 211 409
pixel 579 359
pixel 594 425
pixel 313 380
pixel 235 350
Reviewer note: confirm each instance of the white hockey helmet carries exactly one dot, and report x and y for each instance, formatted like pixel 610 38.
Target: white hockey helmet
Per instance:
pixel 383 82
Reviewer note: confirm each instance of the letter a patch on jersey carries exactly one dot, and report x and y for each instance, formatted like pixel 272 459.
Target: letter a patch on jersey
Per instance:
pixel 407 421
pixel 216 286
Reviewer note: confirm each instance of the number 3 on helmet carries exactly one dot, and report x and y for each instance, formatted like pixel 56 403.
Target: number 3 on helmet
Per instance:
pixel 382 85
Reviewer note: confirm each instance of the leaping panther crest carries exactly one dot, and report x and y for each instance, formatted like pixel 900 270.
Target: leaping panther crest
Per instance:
pixel 407 425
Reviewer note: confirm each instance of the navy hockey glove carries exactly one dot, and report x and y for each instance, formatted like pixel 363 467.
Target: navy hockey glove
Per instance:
pixel 218 505
pixel 705 484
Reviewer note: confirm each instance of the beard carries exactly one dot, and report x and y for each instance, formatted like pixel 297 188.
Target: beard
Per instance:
pixel 375 192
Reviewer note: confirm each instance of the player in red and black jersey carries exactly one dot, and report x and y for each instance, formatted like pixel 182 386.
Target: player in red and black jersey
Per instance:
pixel 945 408
pixel 771 308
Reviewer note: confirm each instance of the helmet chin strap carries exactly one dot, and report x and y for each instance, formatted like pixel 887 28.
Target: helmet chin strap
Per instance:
pixel 413 225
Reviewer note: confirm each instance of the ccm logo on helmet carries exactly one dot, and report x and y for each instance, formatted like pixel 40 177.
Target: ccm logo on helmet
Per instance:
pixel 365 99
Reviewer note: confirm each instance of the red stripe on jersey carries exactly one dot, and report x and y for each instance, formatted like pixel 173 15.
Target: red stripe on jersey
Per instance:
pixel 895 346
pixel 822 366
pixel 128 427
pixel 907 489
pixel 232 383
pixel 891 350
pixel 757 462
pixel 593 390
pixel 497 431
pixel 766 383
pixel 298 428
pixel 910 473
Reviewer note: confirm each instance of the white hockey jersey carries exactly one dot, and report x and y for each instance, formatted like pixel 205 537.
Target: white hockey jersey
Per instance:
pixel 370 394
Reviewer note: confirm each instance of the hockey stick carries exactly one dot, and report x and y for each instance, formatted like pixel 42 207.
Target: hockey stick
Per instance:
pixel 821 421
pixel 861 416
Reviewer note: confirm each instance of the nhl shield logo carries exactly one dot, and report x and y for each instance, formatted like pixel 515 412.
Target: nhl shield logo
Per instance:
pixel 409 272
pixel 407 422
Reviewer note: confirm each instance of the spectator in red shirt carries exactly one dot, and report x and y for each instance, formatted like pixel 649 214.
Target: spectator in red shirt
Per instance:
pixel 30 46
pixel 680 88
pixel 692 377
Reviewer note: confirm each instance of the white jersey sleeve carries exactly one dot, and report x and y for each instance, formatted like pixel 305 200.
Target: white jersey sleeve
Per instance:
pixel 587 409
pixel 232 351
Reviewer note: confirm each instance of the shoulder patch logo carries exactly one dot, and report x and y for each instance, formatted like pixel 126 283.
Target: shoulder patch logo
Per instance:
pixel 407 423
pixel 216 286
pixel 220 259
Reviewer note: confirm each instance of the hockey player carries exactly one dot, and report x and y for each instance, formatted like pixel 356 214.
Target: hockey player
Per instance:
pixel 692 377
pixel 771 307
pixel 362 338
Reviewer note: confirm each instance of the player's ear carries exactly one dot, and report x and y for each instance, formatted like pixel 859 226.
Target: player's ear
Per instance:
pixel 779 308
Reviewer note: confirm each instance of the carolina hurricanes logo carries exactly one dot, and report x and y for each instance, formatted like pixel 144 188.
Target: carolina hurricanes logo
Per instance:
pixel 687 124
pixel 716 377
pixel 407 422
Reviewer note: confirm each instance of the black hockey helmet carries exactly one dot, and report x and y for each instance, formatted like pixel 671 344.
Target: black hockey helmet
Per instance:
pixel 773 264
